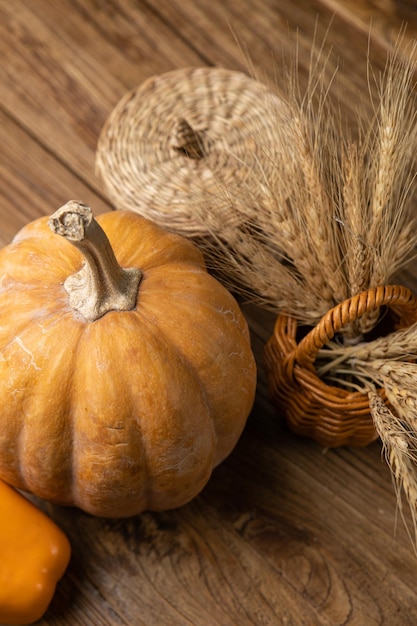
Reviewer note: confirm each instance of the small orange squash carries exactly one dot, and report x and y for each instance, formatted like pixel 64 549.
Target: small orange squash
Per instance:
pixel 126 373
pixel 34 556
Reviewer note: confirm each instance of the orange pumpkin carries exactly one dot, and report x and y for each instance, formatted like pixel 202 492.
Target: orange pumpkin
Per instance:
pixel 126 373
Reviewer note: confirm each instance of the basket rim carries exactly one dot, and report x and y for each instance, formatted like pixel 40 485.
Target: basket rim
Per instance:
pixel 397 297
pixel 296 360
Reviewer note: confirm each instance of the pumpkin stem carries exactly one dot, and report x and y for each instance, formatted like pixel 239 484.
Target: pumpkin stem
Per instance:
pixel 101 285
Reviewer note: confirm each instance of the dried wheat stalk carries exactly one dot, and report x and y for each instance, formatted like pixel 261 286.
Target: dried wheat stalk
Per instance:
pixel 391 171
pixel 400 447
pixel 388 362
pixel 336 215
pixel 398 345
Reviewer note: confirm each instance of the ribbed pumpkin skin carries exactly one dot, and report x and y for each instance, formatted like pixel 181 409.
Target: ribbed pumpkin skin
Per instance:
pixel 131 411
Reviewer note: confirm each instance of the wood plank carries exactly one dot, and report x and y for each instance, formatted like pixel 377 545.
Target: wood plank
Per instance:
pixel 266 43
pixel 386 21
pixel 285 532
pixel 33 182
pixel 60 78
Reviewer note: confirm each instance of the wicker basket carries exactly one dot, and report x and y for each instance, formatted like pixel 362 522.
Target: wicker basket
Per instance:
pixel 330 415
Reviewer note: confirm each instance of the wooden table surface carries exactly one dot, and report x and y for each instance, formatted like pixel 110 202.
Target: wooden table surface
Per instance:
pixel 285 532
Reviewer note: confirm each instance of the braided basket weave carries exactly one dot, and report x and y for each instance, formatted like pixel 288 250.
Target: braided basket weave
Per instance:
pixel 177 148
pixel 330 415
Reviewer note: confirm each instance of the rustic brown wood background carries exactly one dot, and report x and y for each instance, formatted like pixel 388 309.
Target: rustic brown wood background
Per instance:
pixel 285 532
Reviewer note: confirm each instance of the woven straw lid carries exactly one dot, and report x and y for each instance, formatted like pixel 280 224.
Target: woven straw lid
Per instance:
pixel 183 144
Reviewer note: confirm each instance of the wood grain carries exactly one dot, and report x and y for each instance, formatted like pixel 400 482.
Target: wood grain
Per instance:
pixel 285 533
